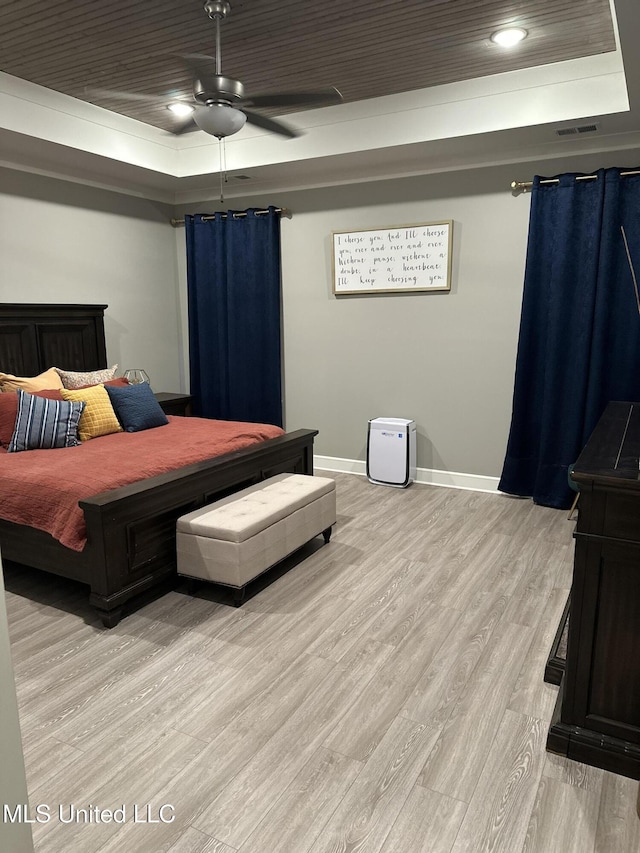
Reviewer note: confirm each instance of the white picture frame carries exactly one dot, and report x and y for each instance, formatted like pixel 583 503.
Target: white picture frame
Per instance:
pixel 401 259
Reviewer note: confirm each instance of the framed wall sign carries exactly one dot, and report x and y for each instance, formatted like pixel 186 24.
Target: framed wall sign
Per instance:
pixel 404 259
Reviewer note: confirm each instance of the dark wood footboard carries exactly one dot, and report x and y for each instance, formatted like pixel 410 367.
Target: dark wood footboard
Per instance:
pixel 131 530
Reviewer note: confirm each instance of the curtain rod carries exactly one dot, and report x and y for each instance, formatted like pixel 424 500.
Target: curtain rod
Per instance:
pixel 523 186
pixel 239 215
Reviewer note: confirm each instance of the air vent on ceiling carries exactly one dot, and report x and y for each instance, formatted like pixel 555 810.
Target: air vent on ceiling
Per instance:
pixel 241 177
pixel 575 131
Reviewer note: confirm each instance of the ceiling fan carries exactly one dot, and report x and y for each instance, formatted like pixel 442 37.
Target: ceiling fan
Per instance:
pixel 220 105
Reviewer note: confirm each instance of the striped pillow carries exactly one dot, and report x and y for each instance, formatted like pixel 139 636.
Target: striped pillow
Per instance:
pixel 43 424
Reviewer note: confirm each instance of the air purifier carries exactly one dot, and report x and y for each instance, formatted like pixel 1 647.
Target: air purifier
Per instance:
pixel 391 452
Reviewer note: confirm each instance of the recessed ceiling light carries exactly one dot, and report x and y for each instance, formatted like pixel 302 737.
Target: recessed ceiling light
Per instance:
pixel 509 37
pixel 180 109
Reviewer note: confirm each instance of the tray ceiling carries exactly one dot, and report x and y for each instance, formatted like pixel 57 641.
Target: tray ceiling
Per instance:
pixel 365 49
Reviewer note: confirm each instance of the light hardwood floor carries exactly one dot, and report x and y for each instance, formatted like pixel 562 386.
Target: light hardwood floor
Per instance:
pixel 384 695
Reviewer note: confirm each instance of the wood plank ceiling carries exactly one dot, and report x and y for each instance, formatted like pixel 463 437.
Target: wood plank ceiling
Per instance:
pixel 365 49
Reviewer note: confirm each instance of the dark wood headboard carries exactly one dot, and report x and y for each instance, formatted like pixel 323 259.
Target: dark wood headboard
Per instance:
pixel 34 337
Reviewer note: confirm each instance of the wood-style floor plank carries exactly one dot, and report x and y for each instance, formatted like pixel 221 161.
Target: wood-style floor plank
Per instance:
pixel 234 814
pixel 498 814
pixel 574 773
pixel 370 807
pixel 296 819
pixel 135 779
pixel 530 596
pixel 162 687
pixel 47 757
pixel 380 701
pixel 350 625
pixel 380 693
pixel 619 815
pixel 483 569
pixel 428 823
pixel 197 786
pixel 439 687
pixel 548 830
pixel 461 752
pixel 531 695
pixel 193 841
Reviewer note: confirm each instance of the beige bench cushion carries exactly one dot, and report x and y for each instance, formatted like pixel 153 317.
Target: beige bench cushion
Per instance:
pixel 245 514
pixel 237 563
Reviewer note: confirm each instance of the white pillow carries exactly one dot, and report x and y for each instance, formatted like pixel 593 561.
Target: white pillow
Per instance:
pixel 73 379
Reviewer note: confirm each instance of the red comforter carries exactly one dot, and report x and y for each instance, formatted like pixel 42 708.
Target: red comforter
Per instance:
pixel 41 488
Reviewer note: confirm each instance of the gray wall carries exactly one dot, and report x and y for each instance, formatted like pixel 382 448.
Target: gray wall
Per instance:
pixel 64 242
pixel 447 360
pixel 444 359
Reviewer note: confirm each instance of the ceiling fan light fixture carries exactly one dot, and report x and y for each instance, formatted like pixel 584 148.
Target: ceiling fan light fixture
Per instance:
pixel 180 108
pixel 220 120
pixel 509 36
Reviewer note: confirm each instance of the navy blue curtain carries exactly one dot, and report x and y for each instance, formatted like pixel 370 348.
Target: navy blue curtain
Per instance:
pixel 579 344
pixel 234 296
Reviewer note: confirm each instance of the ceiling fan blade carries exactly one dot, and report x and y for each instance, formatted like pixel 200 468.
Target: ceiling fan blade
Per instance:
pixel 90 92
pixel 292 99
pixel 198 57
pixel 186 126
pixel 269 124
pixel 201 67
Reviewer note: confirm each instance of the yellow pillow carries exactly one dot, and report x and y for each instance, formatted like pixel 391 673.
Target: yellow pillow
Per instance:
pixel 98 417
pixel 43 382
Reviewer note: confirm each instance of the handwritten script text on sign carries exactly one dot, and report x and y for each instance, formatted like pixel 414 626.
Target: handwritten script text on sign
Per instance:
pixel 400 258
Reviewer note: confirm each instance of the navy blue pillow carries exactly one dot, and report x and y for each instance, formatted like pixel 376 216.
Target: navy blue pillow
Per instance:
pixel 136 407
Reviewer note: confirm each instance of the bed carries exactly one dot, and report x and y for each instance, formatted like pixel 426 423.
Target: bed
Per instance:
pixel 130 531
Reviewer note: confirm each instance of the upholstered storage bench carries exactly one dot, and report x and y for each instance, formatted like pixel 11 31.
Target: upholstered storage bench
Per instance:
pixel 239 537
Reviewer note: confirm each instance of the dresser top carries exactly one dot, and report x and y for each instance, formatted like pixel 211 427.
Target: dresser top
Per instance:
pixel 612 453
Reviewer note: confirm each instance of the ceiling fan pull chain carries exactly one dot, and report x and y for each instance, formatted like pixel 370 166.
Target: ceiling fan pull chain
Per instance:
pixel 220 144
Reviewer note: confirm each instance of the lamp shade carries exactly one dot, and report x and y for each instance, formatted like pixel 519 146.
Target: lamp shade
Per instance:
pixel 219 120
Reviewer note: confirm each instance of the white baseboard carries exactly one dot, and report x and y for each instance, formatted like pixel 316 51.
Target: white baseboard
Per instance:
pixel 428 476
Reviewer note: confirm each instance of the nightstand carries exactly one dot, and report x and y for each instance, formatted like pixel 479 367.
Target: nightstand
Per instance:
pixel 174 404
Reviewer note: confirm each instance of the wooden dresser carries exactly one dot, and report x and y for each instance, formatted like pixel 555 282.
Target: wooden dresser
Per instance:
pixel 597 717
